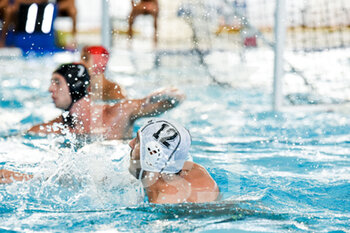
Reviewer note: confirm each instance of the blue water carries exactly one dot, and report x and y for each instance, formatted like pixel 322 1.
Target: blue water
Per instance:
pixel 277 172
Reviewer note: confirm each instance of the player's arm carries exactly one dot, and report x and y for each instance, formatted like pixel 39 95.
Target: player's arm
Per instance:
pixel 157 103
pixel 7 177
pixel 53 126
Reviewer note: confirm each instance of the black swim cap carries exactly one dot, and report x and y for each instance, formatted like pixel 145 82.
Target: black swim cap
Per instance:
pixel 78 79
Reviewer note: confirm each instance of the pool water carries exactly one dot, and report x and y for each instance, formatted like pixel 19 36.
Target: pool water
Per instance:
pixel 277 172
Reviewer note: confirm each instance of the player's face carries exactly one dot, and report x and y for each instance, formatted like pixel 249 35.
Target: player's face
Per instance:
pixel 135 167
pixel 60 91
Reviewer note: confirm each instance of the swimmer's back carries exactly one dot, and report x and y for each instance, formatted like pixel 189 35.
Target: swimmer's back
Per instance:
pixel 203 186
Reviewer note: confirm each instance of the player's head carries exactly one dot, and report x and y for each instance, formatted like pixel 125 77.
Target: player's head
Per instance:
pixel 95 58
pixel 160 146
pixel 69 84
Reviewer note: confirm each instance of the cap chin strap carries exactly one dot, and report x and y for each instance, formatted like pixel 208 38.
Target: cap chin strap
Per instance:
pixel 161 170
pixel 70 106
pixel 140 175
pixel 67 117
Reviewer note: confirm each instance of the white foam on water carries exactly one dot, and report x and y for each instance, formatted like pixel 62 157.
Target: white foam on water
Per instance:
pixel 95 177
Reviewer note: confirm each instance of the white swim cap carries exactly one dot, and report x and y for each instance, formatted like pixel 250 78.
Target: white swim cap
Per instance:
pixel 164 146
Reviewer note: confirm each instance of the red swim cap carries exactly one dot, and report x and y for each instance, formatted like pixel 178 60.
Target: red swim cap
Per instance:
pixel 99 50
pixel 100 57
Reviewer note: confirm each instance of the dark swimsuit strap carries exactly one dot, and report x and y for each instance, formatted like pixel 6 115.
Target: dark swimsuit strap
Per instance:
pixel 67 117
pixel 68 120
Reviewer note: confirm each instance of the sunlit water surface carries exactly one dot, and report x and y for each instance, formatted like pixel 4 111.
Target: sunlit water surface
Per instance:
pixel 277 172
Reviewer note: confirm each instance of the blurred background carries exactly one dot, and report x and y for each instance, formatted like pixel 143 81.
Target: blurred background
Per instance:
pixel 254 72
pixel 297 50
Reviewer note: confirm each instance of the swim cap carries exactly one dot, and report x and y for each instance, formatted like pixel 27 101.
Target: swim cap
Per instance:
pixel 98 49
pixel 99 61
pixel 164 146
pixel 77 78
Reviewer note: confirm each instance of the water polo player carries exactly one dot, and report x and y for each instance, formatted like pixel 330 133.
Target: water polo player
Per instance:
pixel 95 58
pixel 69 92
pixel 159 158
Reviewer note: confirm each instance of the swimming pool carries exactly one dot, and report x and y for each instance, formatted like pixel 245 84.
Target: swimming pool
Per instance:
pixel 277 172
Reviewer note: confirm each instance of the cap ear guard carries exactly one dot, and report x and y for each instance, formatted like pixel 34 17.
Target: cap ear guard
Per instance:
pixel 154 156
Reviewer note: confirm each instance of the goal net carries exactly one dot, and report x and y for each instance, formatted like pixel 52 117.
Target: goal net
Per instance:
pixel 232 42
